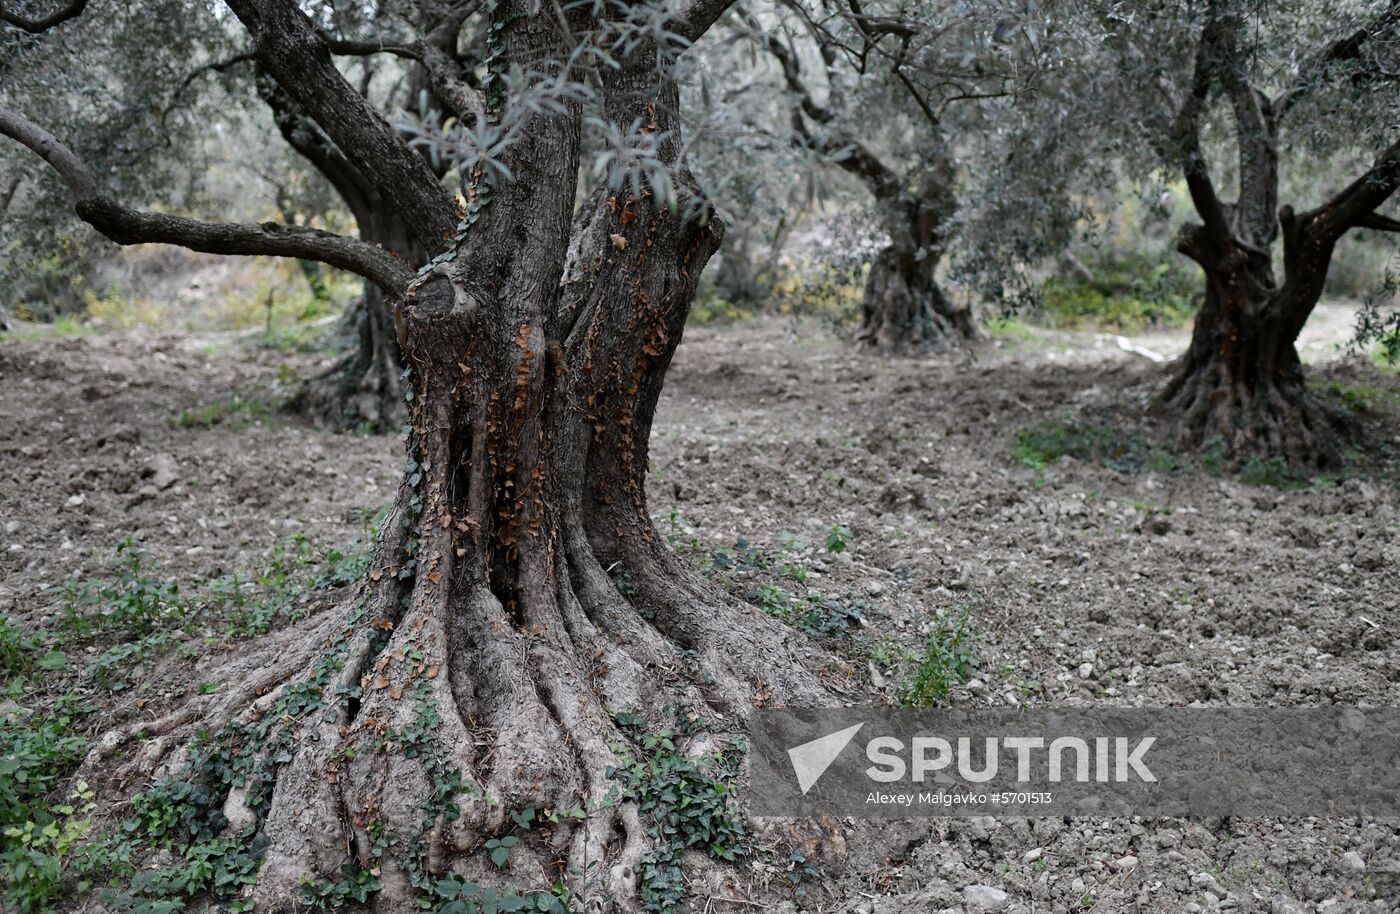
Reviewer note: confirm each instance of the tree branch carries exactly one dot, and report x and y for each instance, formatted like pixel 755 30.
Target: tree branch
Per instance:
pixel 792 75
pixel 877 27
pixel 128 226
pixel 695 17
pixel 1356 204
pixel 1378 222
pixel 295 52
pixel 70 168
pixel 1186 133
pixel 347 47
pixel 1349 47
pixel 72 10
pixel 848 154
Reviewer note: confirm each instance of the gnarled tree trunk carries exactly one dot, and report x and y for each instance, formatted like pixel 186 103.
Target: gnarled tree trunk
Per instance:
pixel 1240 385
pixel 903 308
pixel 519 598
pixel 361 389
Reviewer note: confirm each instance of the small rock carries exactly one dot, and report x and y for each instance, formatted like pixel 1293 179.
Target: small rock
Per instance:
pixel 1193 908
pixel 162 471
pixel 1354 861
pixel 1212 899
pixel 981 899
pixel 1228 904
pixel 1032 855
pixel 237 811
pixel 76 501
pixel 1077 886
pixel 1086 670
pixel 1125 864
pixel 1282 904
pixel 1207 883
pixel 874 588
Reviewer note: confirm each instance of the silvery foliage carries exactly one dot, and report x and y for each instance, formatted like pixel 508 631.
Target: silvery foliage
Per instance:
pixel 953 76
pixel 632 155
pixel 107 84
pixel 1101 115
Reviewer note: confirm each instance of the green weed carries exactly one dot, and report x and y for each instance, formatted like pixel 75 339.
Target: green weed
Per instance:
pixel 233 414
pixel 690 801
pixel 1045 444
pixel 1273 471
pixel 949 658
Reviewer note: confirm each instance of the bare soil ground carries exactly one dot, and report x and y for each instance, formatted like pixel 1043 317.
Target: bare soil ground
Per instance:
pixel 1086 583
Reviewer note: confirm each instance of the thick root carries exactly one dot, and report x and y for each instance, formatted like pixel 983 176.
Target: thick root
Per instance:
pixel 1266 418
pixel 405 735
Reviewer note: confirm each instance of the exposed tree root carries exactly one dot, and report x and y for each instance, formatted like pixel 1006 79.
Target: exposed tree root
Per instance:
pixel 1256 413
pixel 904 309
pixel 401 730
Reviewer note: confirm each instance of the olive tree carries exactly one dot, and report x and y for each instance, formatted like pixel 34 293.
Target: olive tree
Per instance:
pixel 519 601
pixel 1229 98
pixel 896 96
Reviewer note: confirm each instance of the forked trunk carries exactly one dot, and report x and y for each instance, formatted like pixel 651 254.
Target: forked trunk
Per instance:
pixel 519 601
pixel 1240 388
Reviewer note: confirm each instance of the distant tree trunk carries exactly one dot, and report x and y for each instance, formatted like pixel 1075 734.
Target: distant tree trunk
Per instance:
pixel 904 309
pixel 362 389
pixel 1240 385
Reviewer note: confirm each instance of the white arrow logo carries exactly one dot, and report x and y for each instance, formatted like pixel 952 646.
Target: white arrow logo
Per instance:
pixel 810 760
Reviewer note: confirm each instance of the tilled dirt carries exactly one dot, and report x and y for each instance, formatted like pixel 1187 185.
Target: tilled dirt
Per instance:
pixel 1087 585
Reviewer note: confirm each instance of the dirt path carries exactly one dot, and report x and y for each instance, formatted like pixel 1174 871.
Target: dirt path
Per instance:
pixel 1087 585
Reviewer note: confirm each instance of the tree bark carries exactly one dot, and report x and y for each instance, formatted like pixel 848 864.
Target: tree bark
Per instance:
pixel 1240 386
pixel 904 309
pixel 519 598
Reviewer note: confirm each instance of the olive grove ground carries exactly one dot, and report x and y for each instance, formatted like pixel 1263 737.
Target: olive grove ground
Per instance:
pixel 1140 585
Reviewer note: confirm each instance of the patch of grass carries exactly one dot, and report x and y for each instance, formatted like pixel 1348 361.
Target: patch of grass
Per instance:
pixel 298 336
pixel 127 600
pixel 235 413
pixel 1273 471
pixel 809 610
pixel 1131 292
pixel 1364 398
pixel 38 752
pixel 813 613
pixel 1261 471
pixel 949 658
pixel 1012 328
pixel 65 327
pixel 1045 444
